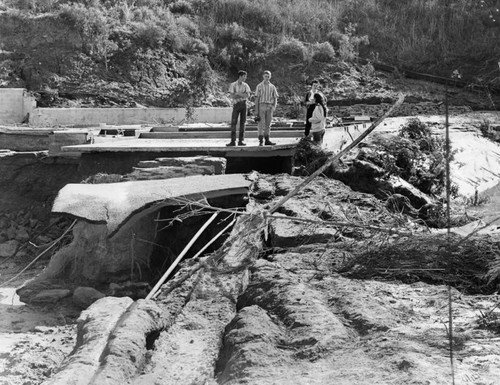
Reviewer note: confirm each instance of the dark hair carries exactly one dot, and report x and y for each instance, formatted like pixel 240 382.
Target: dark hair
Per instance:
pixel 241 73
pixel 319 100
pixel 315 81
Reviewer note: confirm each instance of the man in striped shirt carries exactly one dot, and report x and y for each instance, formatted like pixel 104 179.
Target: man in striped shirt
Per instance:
pixel 266 99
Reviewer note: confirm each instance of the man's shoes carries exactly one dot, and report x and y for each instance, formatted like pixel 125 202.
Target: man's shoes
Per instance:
pixel 261 140
pixel 231 144
pixel 268 142
pixel 241 143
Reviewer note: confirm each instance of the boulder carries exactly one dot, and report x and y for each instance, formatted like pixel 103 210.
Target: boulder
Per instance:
pixel 50 296
pixel 8 248
pixel 86 296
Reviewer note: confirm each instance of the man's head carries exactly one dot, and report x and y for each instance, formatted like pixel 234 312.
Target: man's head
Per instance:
pixel 266 75
pixel 315 83
pixel 242 75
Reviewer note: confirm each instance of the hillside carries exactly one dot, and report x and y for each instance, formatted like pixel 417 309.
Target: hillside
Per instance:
pixel 184 52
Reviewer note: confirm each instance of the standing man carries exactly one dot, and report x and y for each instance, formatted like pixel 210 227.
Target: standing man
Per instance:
pixel 266 99
pixel 239 92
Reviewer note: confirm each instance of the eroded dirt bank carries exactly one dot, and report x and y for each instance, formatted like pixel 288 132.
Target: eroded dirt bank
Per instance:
pixel 287 302
pixel 280 311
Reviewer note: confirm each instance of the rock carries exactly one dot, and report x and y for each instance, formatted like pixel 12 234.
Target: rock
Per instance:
pixel 42 239
pixel 22 234
pixel 148 164
pixel 367 169
pixel 43 329
pixel 417 198
pixel 4 223
pixel 263 189
pixel 168 172
pixel 51 296
pixel 7 249
pixel 219 164
pixel 11 232
pixel 86 296
pixel 286 233
pixel 134 290
pixel 285 185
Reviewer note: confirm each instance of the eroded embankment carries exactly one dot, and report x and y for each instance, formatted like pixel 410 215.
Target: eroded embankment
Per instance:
pixel 277 311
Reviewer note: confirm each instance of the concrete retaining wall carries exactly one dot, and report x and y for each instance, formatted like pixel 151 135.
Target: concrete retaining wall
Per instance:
pixel 15 104
pixel 50 117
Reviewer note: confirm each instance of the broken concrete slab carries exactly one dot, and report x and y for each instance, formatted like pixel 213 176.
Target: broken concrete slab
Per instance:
pixel 168 172
pixel 218 163
pixel 114 204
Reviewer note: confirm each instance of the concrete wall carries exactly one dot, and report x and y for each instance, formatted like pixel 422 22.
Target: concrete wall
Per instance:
pixel 50 117
pixel 15 103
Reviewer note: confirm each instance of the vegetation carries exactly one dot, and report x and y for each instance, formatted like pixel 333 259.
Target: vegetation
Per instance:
pixel 178 52
pixel 490 131
pixel 415 155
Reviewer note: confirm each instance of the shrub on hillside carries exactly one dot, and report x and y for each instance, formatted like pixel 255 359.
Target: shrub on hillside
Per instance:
pixel 149 34
pixel 94 28
pixel 323 52
pixel 291 48
pixel 350 43
pixel 262 14
pixel 238 48
pixel 182 7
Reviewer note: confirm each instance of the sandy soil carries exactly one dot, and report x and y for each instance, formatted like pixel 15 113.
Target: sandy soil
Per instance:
pixel 391 334
pixel 33 340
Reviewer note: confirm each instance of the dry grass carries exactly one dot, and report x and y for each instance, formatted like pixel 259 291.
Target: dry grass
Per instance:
pixel 465 264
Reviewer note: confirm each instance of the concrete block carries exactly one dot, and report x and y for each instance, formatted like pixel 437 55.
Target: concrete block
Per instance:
pixel 44 117
pixel 15 105
pixel 66 138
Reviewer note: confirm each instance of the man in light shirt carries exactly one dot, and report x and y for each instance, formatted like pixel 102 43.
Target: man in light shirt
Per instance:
pixel 266 99
pixel 239 92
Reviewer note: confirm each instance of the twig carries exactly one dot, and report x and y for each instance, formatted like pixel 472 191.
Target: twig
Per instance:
pixel 339 224
pixel 297 219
